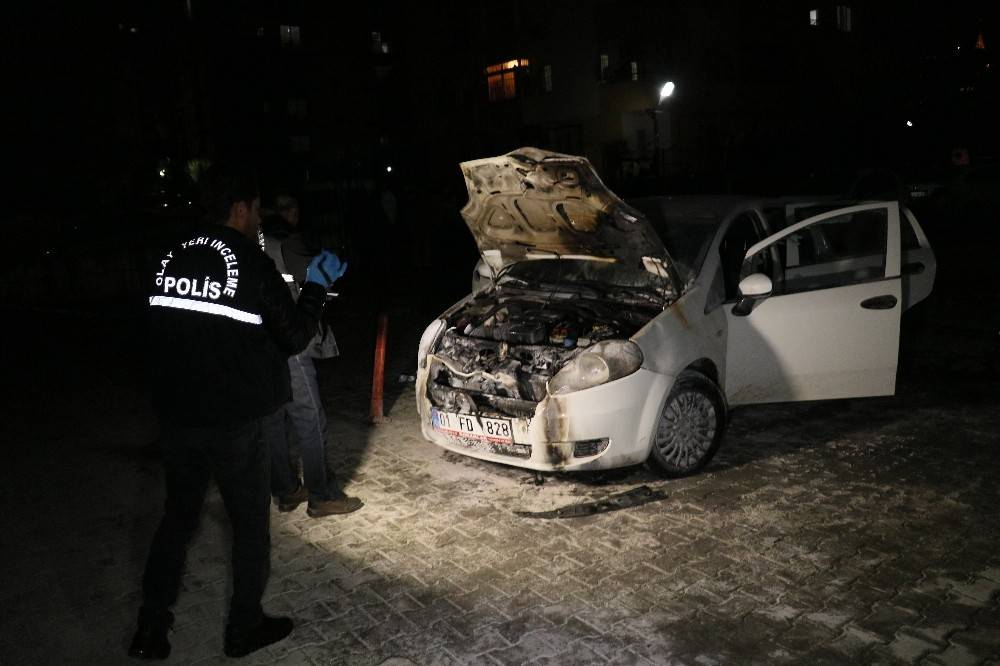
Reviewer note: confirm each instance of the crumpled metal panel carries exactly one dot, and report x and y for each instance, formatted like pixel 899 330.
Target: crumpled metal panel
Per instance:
pixel 536 201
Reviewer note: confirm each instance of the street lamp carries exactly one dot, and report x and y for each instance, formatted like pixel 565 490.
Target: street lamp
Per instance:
pixel 666 90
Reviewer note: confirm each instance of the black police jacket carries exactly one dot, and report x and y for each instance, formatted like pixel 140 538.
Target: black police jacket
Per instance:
pixel 222 326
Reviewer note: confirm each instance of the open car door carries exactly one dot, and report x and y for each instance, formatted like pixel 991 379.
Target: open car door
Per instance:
pixel 829 327
pixel 919 266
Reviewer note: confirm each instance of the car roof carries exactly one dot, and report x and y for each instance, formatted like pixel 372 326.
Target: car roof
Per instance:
pixel 697 206
pixel 710 210
pixel 716 208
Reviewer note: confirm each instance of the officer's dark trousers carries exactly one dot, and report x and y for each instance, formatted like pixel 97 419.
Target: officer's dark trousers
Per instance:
pixel 238 458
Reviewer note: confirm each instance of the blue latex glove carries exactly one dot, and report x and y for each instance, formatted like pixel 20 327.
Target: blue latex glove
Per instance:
pixel 325 268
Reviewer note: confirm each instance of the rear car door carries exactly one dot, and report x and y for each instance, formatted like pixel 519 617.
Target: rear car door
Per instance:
pixel 830 327
pixel 919 266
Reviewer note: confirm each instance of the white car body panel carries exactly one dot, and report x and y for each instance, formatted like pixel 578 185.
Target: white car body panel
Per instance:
pixel 682 335
pixel 815 345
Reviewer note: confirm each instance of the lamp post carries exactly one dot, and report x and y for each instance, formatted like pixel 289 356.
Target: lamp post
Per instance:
pixel 666 90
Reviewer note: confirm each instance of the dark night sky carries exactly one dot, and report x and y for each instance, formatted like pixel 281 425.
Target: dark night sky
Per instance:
pixel 67 72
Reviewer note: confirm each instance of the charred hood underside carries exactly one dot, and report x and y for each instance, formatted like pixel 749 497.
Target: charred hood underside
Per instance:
pixel 532 202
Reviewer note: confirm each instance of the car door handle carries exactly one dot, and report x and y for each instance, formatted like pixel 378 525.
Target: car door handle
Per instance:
pixel 886 302
pixel 913 268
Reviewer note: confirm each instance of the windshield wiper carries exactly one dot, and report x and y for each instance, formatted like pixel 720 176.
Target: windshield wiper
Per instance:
pixel 614 291
pixel 554 287
pixel 647 296
pixel 591 289
pixel 574 287
pixel 506 280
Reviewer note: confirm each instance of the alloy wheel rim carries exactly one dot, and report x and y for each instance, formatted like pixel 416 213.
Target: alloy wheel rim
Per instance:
pixel 686 430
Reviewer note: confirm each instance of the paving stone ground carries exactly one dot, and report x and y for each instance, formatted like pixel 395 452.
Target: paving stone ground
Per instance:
pixel 858 531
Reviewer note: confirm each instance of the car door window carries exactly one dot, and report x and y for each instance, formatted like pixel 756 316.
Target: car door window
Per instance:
pixel 908 236
pixel 842 250
pixel 780 217
pixel 743 233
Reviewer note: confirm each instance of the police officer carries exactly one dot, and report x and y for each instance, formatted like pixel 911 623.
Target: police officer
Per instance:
pixel 222 326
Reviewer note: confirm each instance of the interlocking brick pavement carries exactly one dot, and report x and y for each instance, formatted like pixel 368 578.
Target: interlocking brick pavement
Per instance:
pixel 860 531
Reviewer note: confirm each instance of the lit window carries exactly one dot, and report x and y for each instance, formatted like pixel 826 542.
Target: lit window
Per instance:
pixel 291 36
pixel 509 64
pixel 813 17
pixel 501 79
pixel 634 69
pixel 379 45
pixel 502 86
pixel 297 107
pixel 604 66
pixel 547 76
pixel 298 144
pixel 843 18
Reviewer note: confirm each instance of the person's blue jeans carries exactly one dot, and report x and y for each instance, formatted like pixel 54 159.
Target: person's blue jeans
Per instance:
pixel 304 418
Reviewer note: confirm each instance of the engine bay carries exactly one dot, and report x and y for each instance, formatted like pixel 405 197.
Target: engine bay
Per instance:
pixel 499 351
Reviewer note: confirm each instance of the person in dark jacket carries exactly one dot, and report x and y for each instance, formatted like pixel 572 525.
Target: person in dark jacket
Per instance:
pixel 285 221
pixel 222 325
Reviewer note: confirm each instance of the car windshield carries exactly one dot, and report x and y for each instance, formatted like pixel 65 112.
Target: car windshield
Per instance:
pixel 597 279
pixel 686 231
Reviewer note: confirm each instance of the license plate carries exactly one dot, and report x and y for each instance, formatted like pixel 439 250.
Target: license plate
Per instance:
pixel 470 426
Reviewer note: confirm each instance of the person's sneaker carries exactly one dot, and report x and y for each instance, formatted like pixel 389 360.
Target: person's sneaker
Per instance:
pixel 291 501
pixel 344 504
pixel 270 630
pixel 150 639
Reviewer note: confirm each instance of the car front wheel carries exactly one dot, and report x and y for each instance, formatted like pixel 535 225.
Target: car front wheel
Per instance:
pixel 690 427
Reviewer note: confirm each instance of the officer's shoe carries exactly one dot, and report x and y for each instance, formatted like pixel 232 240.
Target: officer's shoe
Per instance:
pixel 342 504
pixel 150 639
pixel 291 501
pixel 270 630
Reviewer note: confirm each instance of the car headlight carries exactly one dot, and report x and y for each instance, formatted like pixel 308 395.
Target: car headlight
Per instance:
pixel 599 364
pixel 428 339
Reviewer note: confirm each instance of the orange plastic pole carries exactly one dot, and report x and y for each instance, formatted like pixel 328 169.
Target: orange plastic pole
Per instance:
pixel 378 375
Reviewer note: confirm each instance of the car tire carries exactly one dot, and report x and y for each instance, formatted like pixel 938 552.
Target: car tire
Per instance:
pixel 689 430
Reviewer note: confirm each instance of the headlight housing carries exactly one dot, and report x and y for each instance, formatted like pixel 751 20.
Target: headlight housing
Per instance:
pixel 599 364
pixel 429 339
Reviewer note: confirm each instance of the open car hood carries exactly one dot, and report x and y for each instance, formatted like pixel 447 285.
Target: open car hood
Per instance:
pixel 534 204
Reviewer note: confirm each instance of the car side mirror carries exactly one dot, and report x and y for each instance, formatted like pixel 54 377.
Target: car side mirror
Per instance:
pixel 753 288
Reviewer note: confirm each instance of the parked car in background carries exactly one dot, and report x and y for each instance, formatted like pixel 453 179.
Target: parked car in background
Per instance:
pixel 971 196
pixel 601 334
pixel 958 196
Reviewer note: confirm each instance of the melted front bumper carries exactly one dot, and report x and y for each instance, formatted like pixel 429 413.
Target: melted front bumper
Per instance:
pixel 568 432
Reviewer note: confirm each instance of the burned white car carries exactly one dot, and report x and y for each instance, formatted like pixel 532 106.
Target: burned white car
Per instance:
pixel 609 334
